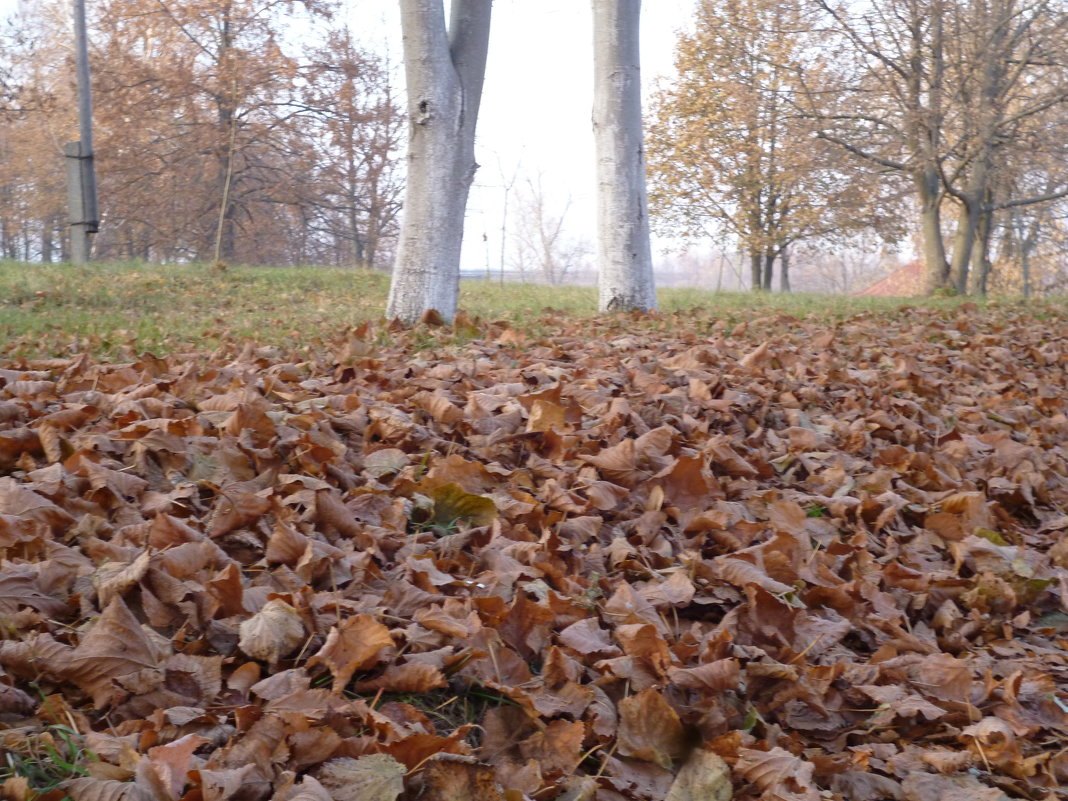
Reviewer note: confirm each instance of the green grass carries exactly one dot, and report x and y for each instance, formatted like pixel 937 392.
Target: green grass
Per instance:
pixel 118 310
pixel 48 759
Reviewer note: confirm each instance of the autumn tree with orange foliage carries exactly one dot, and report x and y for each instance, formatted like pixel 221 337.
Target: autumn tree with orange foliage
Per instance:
pixel 211 141
pixel 730 156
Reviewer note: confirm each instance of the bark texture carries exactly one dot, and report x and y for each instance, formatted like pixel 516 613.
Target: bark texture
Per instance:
pixel 625 264
pixel 445 68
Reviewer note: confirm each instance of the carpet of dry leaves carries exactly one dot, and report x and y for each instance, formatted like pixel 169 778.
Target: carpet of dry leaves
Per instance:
pixel 640 558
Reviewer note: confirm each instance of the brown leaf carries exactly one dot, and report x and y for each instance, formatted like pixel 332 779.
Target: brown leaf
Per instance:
pixel 385 462
pixel 451 777
pixel 438 406
pixel 586 637
pixel 412 677
pixel 173 761
pixel 372 777
pixel 742 573
pixel 20 587
pixel 90 789
pixel 19 501
pixel 545 415
pixel 649 729
pixel 354 644
pixel 235 509
pixel 120 484
pixel 777 774
pixel 274 632
pixel 309 789
pixel 703 777
pixel 116 647
pixel 643 641
pixel 52 443
pixel 116 578
pixel 557 748
pixel 16 441
pixel 755 358
pixel 718 676
pixel 919 786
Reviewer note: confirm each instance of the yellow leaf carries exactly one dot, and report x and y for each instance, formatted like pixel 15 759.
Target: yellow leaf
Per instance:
pixel 452 504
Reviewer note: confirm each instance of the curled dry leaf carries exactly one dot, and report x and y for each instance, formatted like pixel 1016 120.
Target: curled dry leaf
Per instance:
pixel 354 644
pixel 385 462
pixel 452 504
pixel 115 648
pixel 172 761
pixel 778 774
pixel 91 789
pixel 115 578
pixel 649 729
pixel 557 749
pixel 274 632
pixel 703 777
pixel 237 509
pixel 412 677
pixel 451 777
pixel 19 587
pixel 373 777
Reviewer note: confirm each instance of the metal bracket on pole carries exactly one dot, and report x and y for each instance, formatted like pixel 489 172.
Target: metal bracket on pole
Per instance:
pixel 81 187
pixel 81 201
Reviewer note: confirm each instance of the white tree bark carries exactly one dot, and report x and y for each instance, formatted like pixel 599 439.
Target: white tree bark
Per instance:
pixel 625 263
pixel 445 68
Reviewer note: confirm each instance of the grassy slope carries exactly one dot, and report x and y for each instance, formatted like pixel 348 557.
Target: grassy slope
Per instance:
pixel 118 309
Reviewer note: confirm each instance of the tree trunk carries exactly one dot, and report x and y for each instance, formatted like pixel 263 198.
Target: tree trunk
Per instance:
pixel 445 69
pixel 756 264
pixel 46 241
pixel 769 269
pixel 784 270
pixel 968 228
pixel 1025 270
pixel 981 265
pixel 928 186
pixel 963 240
pixel 625 262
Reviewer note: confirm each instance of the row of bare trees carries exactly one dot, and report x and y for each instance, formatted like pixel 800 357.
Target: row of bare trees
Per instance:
pixel 219 135
pixel 806 123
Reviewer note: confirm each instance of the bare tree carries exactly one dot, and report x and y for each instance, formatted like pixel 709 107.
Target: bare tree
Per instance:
pixel 542 244
pixel 939 92
pixel 625 264
pixel 445 68
pixel 352 183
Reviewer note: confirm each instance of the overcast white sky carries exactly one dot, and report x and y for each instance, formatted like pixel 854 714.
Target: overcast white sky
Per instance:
pixel 536 105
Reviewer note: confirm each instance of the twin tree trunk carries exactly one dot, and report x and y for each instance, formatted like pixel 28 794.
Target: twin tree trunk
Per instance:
pixel 625 263
pixel 445 68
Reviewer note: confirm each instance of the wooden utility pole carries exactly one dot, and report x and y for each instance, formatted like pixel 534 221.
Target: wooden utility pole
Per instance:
pixel 81 177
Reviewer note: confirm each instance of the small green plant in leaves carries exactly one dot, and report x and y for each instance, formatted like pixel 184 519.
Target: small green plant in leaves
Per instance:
pixel 48 759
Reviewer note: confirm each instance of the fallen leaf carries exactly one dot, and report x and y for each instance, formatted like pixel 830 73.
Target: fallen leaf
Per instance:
pixel 274 632
pixel 452 504
pixel 650 729
pixel 352 645
pixel 450 777
pixel 373 777
pixel 703 777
